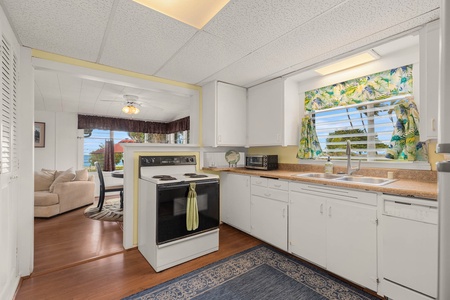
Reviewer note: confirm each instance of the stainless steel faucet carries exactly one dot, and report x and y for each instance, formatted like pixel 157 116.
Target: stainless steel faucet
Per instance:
pixel 348 151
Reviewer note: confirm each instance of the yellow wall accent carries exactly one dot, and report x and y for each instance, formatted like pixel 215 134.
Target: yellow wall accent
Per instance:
pixel 86 64
pixel 286 155
pixel 433 157
pixel 136 183
pixel 90 65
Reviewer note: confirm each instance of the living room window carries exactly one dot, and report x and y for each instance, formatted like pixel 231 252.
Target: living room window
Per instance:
pixel 95 141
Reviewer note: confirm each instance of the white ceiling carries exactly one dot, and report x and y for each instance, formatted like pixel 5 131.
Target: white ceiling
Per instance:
pixel 248 42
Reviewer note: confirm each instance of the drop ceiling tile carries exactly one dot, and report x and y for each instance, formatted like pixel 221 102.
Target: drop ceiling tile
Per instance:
pixel 70 88
pixel 90 90
pixel 253 24
pixel 141 39
pixel 337 28
pixel 203 55
pixel 70 28
pixel 425 6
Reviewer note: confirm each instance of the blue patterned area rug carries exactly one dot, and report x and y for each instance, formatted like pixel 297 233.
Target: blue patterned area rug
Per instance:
pixel 257 273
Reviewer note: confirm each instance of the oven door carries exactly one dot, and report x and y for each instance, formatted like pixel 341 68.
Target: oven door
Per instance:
pixel 171 204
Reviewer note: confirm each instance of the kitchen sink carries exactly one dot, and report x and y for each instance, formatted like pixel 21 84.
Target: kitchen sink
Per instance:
pixel 346 178
pixel 320 175
pixel 367 180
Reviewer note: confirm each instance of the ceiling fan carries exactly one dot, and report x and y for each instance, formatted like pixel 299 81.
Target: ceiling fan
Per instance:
pixel 130 104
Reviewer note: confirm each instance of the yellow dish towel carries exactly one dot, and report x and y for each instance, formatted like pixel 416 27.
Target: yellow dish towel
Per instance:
pixel 192 209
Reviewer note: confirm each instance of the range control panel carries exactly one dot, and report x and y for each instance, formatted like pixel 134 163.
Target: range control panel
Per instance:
pixel 153 161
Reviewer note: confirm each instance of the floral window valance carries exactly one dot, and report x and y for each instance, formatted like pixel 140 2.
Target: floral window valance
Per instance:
pixel 372 87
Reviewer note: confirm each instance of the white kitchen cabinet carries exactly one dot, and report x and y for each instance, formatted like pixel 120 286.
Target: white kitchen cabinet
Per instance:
pixel 336 229
pixel 429 80
pixel 352 242
pixel 224 115
pixel 269 211
pixel 235 200
pixel 273 113
pixel 308 227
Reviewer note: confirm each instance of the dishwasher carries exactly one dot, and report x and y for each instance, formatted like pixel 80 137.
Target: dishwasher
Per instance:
pixel 409 248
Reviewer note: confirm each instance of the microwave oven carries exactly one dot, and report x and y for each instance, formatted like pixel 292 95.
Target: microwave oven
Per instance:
pixel 261 162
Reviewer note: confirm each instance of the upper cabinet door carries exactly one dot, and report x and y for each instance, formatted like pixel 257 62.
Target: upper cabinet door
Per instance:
pixel 224 115
pixel 273 113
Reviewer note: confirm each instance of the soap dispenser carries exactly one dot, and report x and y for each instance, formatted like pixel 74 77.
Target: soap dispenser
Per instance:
pixel 328 166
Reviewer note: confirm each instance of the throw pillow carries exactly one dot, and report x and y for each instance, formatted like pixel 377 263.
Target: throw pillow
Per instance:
pixel 81 175
pixel 43 180
pixel 66 176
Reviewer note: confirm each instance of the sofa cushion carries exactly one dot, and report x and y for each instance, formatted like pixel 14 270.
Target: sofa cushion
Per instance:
pixel 81 175
pixel 45 198
pixel 43 179
pixel 66 176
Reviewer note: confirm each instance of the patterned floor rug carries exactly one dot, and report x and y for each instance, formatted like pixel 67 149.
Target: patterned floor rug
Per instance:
pixel 258 273
pixel 111 211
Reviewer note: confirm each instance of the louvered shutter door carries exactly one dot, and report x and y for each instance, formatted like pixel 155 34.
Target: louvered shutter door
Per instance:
pixel 15 140
pixel 6 101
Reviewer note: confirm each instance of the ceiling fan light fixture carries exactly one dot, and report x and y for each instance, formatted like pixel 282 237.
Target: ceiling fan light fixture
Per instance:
pixel 130 109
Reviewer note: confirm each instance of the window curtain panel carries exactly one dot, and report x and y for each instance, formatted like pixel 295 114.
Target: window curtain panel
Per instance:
pixel 116 124
pixel 309 146
pixel 109 156
pixel 405 143
pixel 381 85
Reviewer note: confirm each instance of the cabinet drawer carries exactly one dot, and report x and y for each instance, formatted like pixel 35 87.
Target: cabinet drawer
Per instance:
pixel 259 181
pixel 278 184
pixel 270 193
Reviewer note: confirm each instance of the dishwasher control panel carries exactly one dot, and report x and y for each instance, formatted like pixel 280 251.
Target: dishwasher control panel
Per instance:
pixel 417 210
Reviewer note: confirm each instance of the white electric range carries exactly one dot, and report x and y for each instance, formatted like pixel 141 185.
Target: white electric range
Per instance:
pixel 163 236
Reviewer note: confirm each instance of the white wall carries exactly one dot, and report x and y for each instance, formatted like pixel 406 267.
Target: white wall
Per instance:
pixel 61 143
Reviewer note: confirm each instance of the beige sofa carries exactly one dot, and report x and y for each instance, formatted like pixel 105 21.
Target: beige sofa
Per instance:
pixel 56 192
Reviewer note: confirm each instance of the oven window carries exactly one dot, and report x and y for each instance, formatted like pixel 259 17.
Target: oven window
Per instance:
pixel 171 206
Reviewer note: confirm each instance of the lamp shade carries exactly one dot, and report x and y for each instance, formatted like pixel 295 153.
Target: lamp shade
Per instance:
pixel 130 109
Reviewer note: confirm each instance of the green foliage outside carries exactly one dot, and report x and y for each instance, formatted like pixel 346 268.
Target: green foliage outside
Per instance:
pixel 331 139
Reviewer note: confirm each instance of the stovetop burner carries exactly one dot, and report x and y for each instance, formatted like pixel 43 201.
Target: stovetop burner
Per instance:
pixel 195 175
pixel 164 177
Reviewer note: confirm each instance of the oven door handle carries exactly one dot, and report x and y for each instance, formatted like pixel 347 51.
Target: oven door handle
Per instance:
pixel 171 186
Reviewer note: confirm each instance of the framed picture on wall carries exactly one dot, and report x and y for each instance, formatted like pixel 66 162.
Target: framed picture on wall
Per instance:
pixel 39 135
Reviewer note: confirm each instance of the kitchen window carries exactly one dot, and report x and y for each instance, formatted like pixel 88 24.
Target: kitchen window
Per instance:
pixel 368 126
pixel 375 112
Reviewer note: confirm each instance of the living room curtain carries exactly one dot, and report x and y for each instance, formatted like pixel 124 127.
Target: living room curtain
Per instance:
pixel 116 124
pixel 109 156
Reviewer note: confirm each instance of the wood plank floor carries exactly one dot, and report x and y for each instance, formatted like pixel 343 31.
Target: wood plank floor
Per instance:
pixel 79 258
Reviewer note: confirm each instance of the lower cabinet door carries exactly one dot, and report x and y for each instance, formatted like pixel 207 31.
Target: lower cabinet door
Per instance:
pixel 307 227
pixel 269 221
pixel 235 200
pixel 352 242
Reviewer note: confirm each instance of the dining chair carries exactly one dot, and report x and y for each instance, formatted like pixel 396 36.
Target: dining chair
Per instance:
pixel 106 189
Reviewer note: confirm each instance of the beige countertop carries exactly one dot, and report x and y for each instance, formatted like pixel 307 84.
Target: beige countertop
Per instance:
pixel 420 188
